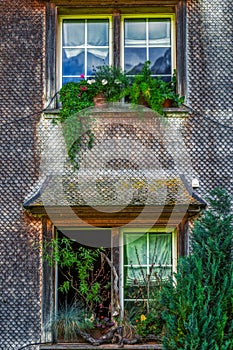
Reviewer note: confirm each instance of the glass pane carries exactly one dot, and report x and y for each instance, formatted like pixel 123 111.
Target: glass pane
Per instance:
pixel 68 80
pixel 161 273
pixel 97 32
pixel 134 60
pixel 136 292
pixel 160 60
pixel 159 32
pixel 73 62
pixel 135 247
pixel 96 57
pixel 135 32
pixel 135 276
pixel 160 246
pixel 73 32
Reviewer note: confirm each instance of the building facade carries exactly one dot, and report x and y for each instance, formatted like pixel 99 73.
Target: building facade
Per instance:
pixel 42 195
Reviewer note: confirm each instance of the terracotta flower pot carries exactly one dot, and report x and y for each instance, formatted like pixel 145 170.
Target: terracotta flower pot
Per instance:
pixel 99 100
pixel 167 103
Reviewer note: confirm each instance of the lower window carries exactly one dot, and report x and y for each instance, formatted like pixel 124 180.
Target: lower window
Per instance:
pixel 147 259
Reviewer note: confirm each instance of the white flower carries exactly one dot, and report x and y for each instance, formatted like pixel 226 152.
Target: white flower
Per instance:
pixel 90 81
pixel 104 82
pixel 117 81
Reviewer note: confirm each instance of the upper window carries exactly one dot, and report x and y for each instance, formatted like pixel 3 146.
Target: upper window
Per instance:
pixel 88 42
pixel 149 38
pixel 85 45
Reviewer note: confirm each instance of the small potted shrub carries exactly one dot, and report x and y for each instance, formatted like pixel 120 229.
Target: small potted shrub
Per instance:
pixel 154 92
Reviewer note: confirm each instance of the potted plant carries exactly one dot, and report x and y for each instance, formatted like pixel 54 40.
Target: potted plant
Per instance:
pixel 168 89
pixel 110 82
pixel 153 92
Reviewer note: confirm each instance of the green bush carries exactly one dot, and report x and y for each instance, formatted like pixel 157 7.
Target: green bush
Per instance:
pixel 198 307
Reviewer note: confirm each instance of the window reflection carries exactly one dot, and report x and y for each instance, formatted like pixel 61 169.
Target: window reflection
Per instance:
pixel 159 32
pixel 148 39
pixel 73 61
pixel 135 32
pixel 73 32
pixel 160 60
pixel 85 44
pixel 95 58
pixel 134 59
pixel 97 33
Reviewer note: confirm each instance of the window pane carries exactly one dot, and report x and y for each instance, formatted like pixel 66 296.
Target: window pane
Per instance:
pixel 73 61
pixel 160 60
pixel 73 33
pixel 96 57
pixel 68 80
pixel 161 273
pixel 135 308
pixel 135 32
pixel 134 60
pixel 136 292
pixel 159 32
pixel 160 249
pixel 135 276
pixel 135 246
pixel 85 46
pixel 97 33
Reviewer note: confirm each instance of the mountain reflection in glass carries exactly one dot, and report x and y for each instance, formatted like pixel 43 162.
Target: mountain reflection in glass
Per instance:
pixel 148 39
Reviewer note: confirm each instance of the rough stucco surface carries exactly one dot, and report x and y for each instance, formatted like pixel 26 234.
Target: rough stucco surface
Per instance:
pixel 207 133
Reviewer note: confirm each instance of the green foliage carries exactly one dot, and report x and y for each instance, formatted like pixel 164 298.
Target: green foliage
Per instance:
pixel 76 264
pixel 74 96
pixel 68 319
pixel 111 81
pixel 113 84
pixel 198 307
pixel 154 90
pixel 150 322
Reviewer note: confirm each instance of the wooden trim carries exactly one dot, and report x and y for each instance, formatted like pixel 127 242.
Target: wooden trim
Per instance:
pixel 48 284
pixel 181 50
pixel 183 238
pixel 133 216
pixel 116 37
pixel 115 3
pixel 50 57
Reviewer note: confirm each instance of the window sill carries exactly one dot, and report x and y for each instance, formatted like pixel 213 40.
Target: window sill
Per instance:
pixel 85 346
pixel 173 112
pixel 177 112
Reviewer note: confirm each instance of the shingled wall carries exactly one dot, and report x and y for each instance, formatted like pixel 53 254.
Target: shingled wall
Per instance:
pixel 22 55
pixel 207 131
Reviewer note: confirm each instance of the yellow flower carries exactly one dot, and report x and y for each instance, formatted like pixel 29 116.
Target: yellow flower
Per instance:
pixel 143 318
